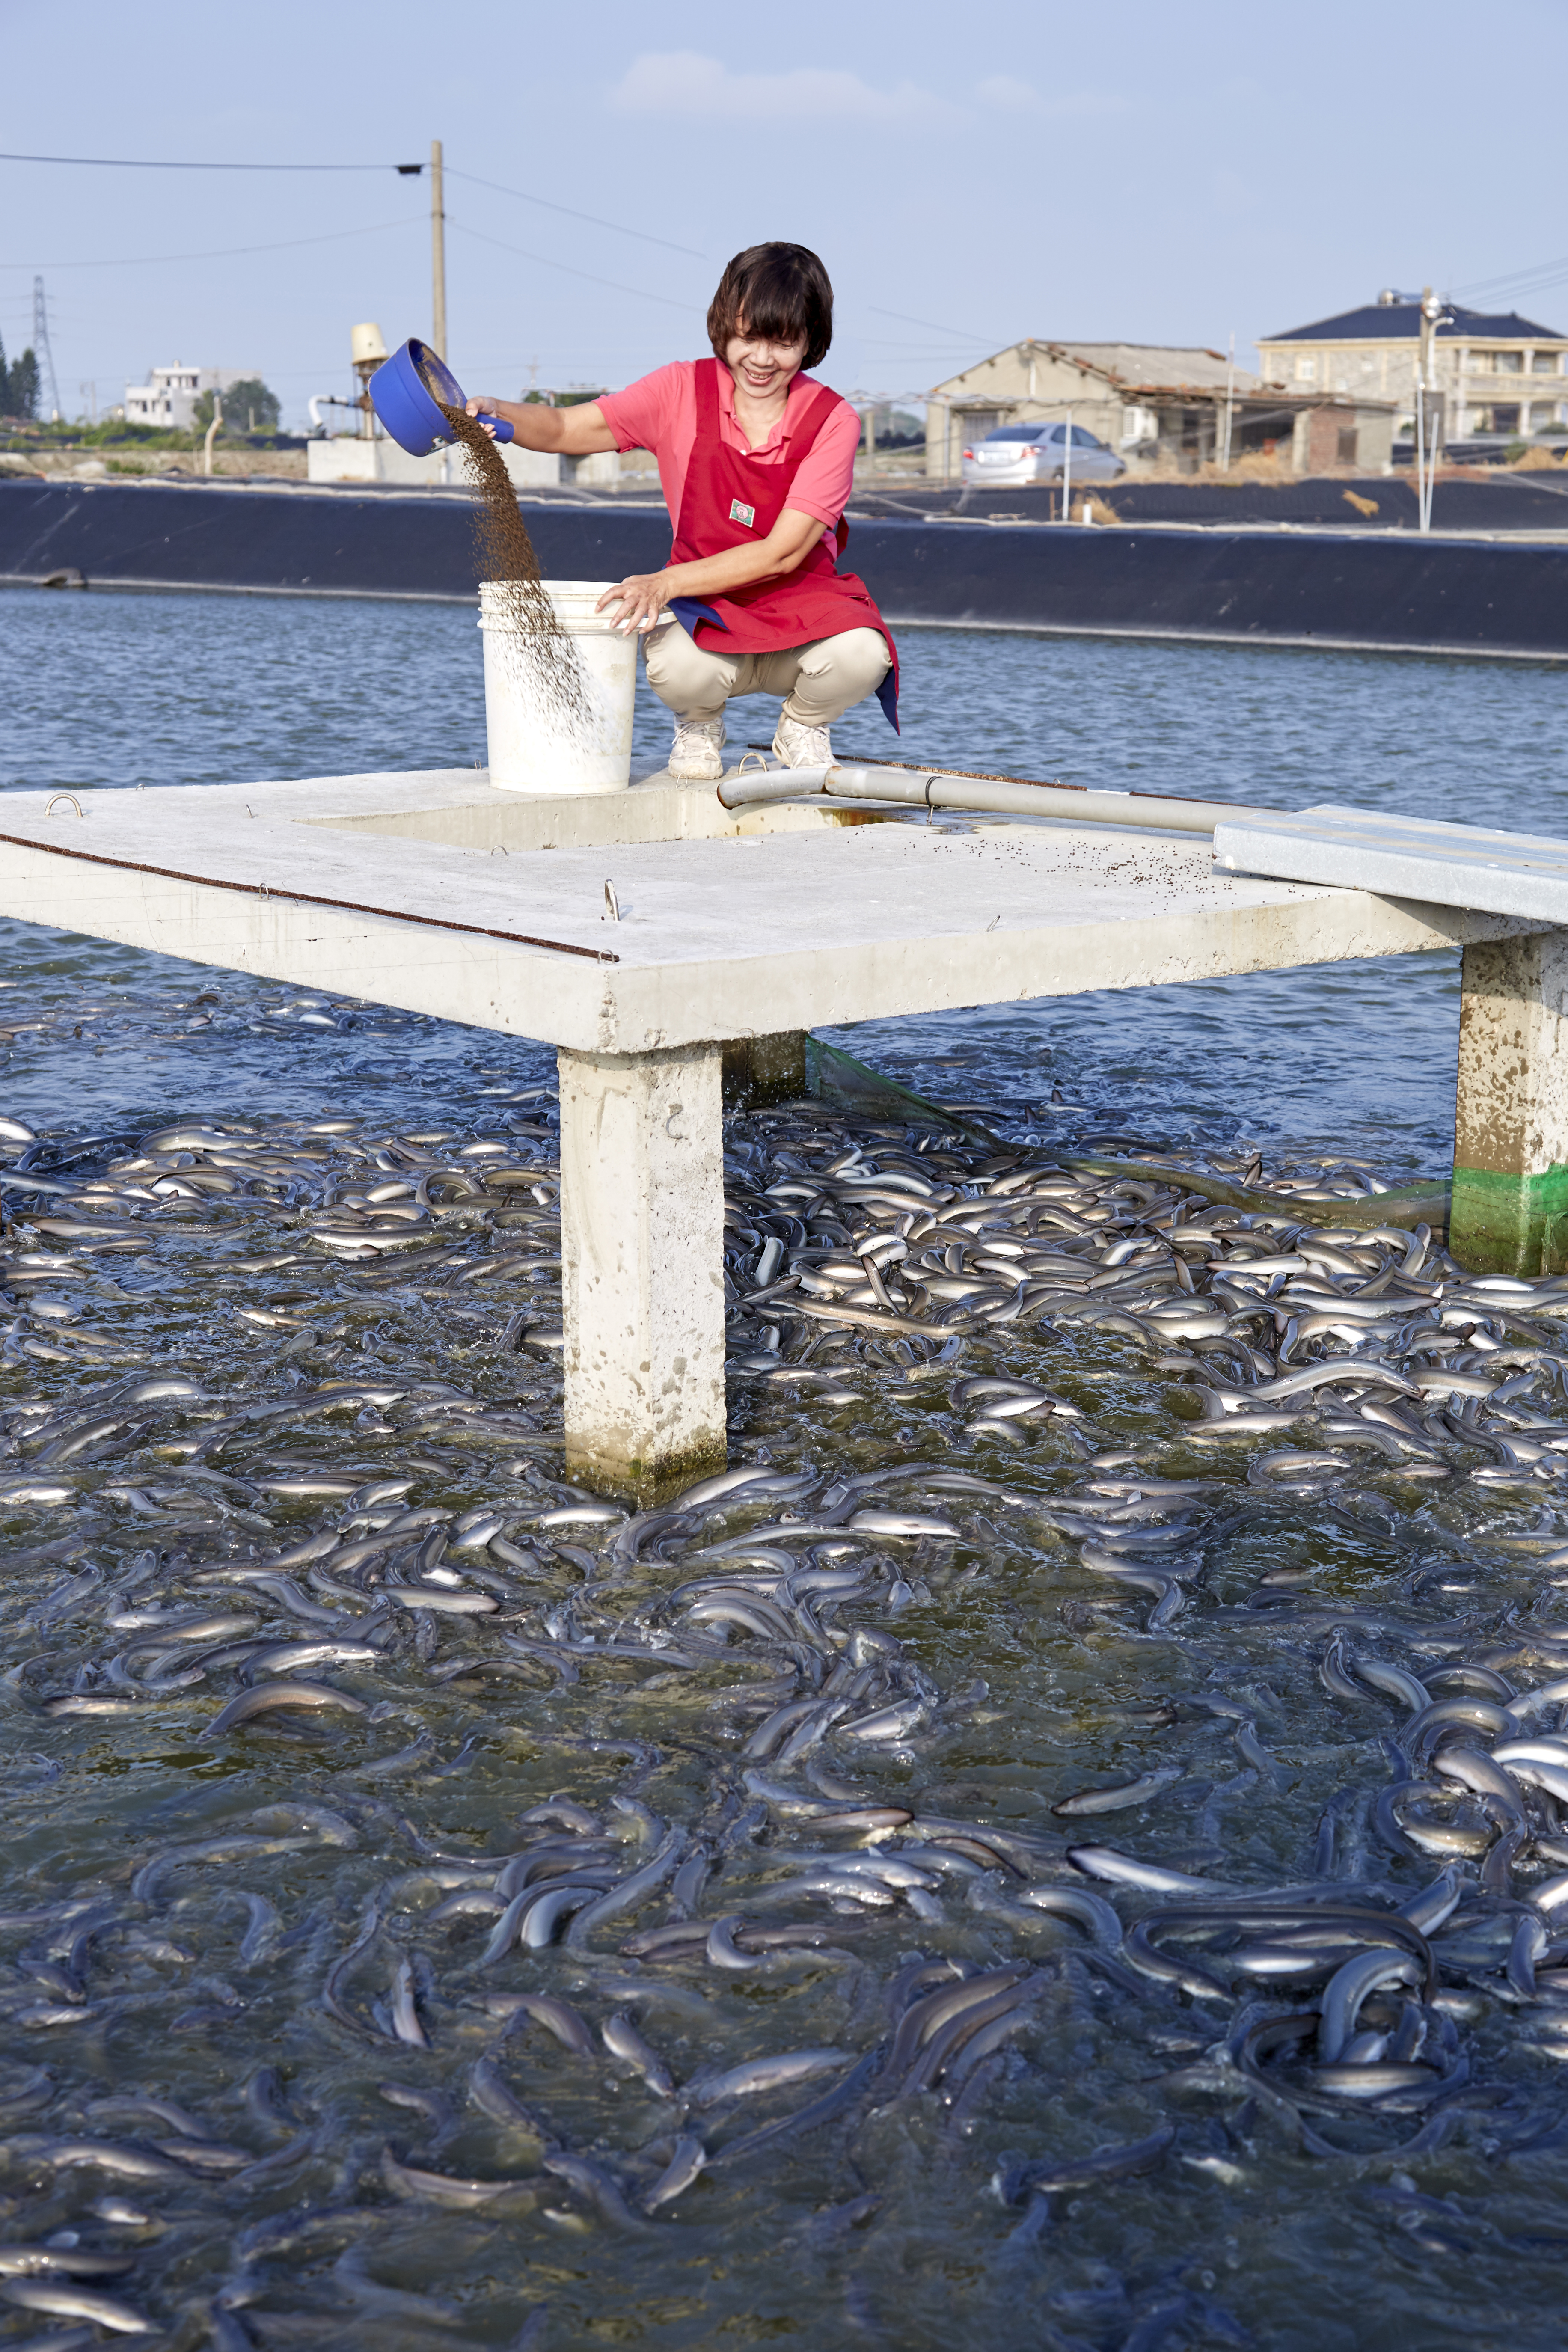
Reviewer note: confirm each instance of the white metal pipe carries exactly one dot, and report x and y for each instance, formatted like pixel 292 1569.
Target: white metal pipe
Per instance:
pixel 936 788
pixel 320 400
pixel 772 784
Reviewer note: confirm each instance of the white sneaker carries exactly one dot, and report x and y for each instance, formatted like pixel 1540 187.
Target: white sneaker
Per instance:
pixel 696 755
pixel 801 747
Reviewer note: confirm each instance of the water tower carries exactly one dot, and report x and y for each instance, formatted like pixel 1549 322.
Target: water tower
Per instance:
pixel 368 350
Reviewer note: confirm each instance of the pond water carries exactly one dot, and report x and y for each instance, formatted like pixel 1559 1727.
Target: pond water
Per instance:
pixel 265 1433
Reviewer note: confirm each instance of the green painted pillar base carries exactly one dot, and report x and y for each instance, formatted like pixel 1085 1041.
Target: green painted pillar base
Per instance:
pixel 1509 1207
pixel 1509 1224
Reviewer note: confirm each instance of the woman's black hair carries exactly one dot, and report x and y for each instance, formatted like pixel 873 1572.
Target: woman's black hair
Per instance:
pixel 783 293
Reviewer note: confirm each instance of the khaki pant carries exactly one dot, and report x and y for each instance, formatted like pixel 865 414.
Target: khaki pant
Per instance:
pixel 819 681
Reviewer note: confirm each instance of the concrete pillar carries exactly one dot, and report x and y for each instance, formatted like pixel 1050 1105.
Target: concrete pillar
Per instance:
pixel 762 1070
pixel 642 1238
pixel 1510 1212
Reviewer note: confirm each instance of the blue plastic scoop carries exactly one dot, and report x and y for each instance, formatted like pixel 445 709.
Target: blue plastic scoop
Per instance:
pixel 404 392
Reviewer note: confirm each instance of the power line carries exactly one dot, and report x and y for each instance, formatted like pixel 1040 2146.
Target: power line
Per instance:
pixel 962 334
pixel 1511 277
pixel 640 292
pixel 407 170
pixel 523 196
pixel 219 253
pixel 163 163
pixel 1517 282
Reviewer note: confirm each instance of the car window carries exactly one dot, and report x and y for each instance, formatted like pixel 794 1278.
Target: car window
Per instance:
pixel 1014 432
pixel 1084 440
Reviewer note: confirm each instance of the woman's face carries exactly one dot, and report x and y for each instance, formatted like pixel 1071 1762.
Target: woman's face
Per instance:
pixel 761 366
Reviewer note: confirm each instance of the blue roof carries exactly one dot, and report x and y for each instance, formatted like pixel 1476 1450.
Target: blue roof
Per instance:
pixel 1382 322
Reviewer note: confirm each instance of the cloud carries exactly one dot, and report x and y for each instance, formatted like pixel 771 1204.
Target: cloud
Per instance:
pixel 1009 96
pixel 1006 95
pixel 679 82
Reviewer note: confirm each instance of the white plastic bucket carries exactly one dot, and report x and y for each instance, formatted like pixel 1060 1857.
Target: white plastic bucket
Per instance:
pixel 535 747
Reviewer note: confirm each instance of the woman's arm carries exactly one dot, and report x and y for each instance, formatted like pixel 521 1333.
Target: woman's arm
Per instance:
pixel 575 432
pixel 642 597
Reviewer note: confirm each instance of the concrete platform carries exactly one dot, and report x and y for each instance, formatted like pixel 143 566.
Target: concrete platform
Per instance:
pixel 433 893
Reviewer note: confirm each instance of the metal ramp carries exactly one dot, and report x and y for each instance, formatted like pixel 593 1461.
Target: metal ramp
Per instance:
pixel 1521 874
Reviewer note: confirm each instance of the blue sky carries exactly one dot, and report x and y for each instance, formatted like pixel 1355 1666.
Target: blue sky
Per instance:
pixel 1142 173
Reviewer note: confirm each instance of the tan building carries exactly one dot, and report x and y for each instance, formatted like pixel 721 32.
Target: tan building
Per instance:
pixel 1153 402
pixel 1497 374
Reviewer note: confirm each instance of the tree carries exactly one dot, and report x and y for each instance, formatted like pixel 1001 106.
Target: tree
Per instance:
pixel 19 388
pixel 247 407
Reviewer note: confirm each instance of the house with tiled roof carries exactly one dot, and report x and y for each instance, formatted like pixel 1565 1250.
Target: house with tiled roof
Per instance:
pixel 1498 373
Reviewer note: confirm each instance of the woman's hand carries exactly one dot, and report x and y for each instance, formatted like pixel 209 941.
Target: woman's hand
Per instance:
pixel 641 599
pixel 484 408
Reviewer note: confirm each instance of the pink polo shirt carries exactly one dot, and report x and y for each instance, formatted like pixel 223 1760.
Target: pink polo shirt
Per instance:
pixel 659 413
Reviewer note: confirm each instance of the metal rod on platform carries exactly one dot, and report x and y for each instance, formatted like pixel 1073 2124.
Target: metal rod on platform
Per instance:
pixel 437 255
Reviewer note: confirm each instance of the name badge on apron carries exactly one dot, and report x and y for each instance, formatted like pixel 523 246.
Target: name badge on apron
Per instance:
pixel 744 514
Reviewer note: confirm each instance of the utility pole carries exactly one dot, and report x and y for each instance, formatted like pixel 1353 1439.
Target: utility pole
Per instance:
pixel 1429 419
pixel 1229 401
pixel 46 357
pixel 438 255
pixel 1428 315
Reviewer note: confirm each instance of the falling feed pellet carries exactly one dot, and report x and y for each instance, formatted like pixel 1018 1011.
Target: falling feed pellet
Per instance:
pixel 503 553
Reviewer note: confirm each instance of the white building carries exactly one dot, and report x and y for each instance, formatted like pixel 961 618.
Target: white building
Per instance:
pixel 168 399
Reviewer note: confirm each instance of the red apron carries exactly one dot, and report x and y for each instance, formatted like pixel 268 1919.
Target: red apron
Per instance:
pixel 729 498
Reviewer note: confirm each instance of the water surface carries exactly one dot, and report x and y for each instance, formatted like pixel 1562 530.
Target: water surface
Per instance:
pixel 883 2226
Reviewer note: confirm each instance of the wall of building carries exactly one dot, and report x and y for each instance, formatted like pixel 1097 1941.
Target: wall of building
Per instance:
pixel 1504 388
pixel 1345 439
pixel 1529 381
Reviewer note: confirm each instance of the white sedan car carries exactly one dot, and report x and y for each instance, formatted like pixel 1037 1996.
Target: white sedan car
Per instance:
pixel 1018 454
